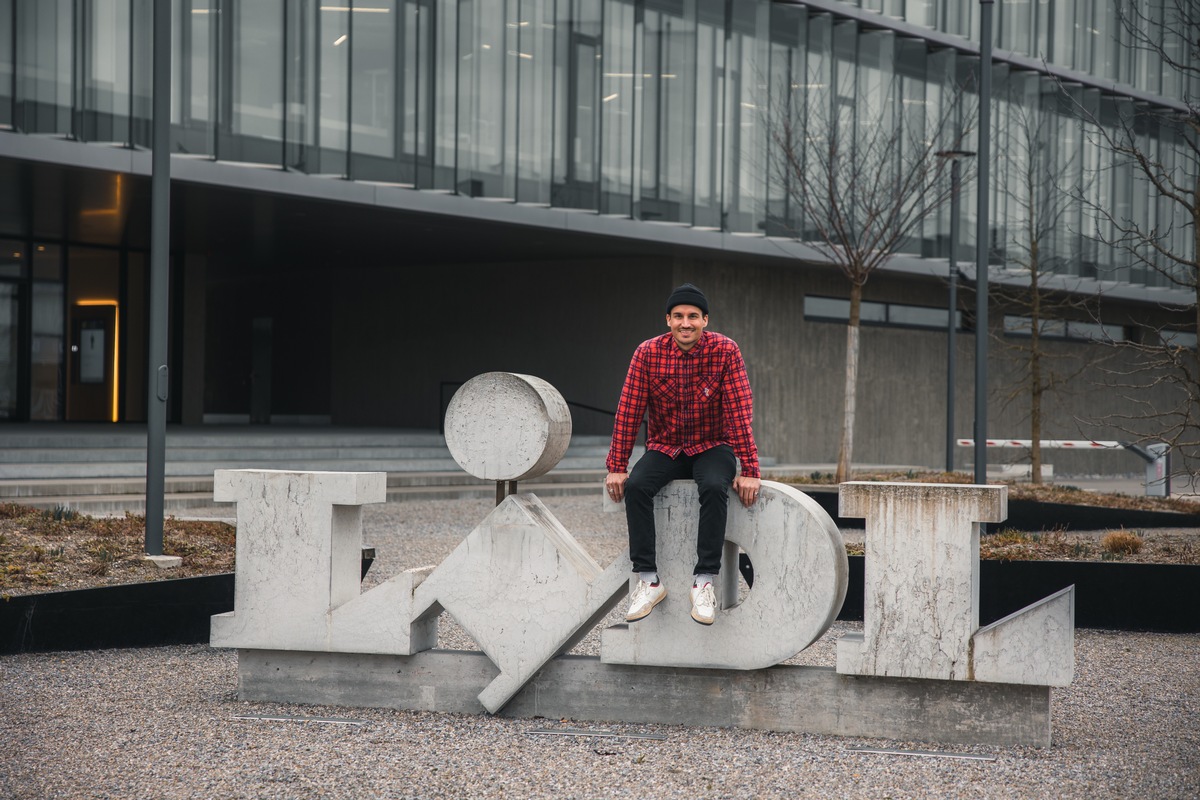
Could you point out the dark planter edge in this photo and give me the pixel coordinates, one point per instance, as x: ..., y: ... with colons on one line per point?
x: 1108, y: 595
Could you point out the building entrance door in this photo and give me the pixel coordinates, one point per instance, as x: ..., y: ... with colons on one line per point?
x: 92, y: 390
x: 93, y: 335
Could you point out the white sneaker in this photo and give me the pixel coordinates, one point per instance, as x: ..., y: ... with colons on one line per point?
x: 645, y: 597
x: 704, y: 604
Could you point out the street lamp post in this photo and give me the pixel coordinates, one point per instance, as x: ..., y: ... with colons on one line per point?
x: 951, y: 322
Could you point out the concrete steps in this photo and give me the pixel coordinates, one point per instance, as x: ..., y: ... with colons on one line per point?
x: 101, y: 469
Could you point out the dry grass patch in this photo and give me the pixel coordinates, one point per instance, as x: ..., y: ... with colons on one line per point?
x: 61, y: 549
x: 1122, y: 543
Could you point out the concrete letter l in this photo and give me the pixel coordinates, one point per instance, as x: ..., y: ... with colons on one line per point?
x: 299, y: 552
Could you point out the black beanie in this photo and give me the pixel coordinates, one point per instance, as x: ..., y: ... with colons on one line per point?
x: 688, y: 295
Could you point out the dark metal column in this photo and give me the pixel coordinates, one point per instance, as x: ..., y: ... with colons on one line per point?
x: 951, y: 327
x: 160, y: 244
x: 981, y: 240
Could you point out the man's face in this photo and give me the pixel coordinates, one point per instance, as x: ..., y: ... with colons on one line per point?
x: 686, y: 324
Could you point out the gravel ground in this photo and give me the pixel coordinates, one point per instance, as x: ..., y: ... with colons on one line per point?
x: 164, y: 723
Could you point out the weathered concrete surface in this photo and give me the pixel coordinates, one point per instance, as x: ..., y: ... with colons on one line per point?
x: 921, y: 574
x: 501, y: 426
x: 524, y: 590
x: 800, y: 579
x: 299, y: 567
x: 1035, y: 645
x: 783, y: 698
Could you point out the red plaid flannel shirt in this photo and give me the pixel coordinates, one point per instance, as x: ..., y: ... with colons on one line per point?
x: 697, y: 399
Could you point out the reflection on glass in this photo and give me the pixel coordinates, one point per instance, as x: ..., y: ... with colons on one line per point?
x: 258, y: 80
x: 6, y: 68
x: 46, y: 362
x: 9, y: 331
x: 106, y: 71
x: 46, y: 29
x: 12, y: 258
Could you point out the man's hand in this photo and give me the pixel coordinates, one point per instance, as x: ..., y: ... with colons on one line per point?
x: 746, y: 488
x: 614, y: 485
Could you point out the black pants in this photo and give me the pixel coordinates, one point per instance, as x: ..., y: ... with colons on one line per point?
x: 713, y: 471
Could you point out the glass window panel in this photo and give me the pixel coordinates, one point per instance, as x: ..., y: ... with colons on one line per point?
x: 826, y: 308
x: 960, y: 18
x: 917, y: 316
x: 332, y: 94
x: 45, y: 65
x: 1096, y: 332
x: 837, y: 309
x: 257, y: 80
x: 445, y: 96
x: 1014, y: 24
x: 46, y: 344
x: 618, y: 95
x: 534, y: 33
x: 373, y: 91
x: 106, y: 76
x: 1178, y: 339
x: 10, y: 330
x: 746, y: 135
x: 483, y: 99
x: 1062, y: 44
x: 319, y: 41
x: 668, y: 121
x: 710, y: 82
x: 921, y: 12
x: 7, y: 59
x: 12, y: 258
x: 193, y: 68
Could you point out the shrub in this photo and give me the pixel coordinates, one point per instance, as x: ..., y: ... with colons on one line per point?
x: 1122, y: 542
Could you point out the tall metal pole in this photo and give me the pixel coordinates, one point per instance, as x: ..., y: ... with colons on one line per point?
x: 160, y: 244
x: 951, y: 323
x: 951, y: 327
x: 981, y: 240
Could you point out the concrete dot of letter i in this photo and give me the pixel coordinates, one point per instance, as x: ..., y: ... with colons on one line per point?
x: 501, y: 426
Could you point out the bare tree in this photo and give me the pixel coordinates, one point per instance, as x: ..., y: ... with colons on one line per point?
x: 1039, y: 186
x: 1161, y: 148
x: 863, y: 177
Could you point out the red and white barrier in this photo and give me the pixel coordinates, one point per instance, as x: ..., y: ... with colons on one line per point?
x: 1058, y: 444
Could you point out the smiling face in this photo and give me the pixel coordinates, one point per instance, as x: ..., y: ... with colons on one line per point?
x: 686, y: 324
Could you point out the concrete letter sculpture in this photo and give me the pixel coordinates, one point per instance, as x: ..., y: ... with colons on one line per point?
x: 921, y: 610
x: 501, y: 426
x: 800, y: 577
x: 299, y: 551
x: 526, y: 591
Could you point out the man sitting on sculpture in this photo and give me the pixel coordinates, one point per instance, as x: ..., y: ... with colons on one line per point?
x: 694, y: 385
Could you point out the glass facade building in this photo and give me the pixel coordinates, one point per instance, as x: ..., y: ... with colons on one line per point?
x: 651, y: 109
x: 659, y: 111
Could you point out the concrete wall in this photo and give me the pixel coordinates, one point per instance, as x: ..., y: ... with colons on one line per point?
x: 399, y: 334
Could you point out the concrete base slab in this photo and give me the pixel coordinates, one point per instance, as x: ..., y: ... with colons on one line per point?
x: 165, y: 562
x: 783, y: 698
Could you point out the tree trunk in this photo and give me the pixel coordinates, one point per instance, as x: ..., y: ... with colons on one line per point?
x: 846, y: 452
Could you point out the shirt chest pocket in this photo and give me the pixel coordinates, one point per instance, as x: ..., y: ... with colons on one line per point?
x: 708, y: 389
x: 665, y: 389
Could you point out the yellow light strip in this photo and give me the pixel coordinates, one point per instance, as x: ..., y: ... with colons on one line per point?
x: 106, y: 212
x: 116, y: 379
